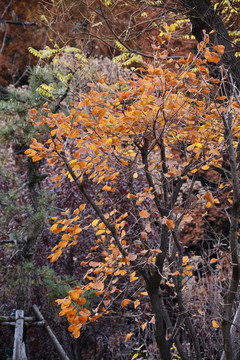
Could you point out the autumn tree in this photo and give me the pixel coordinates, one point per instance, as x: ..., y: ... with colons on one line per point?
x: 153, y: 134
x: 152, y: 137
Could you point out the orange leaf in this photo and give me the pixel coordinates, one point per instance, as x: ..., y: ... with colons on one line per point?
x: 77, y: 230
x: 125, y: 302
x: 36, y: 158
x: 211, y: 56
x: 81, y: 301
x: 136, y: 303
x: 98, y: 286
x: 208, y: 196
x: 176, y: 273
x: 66, y: 237
x: 168, y: 36
x: 144, y: 214
x: 128, y: 336
x: 143, y: 326
x: 215, y: 324
x: 104, y: 253
x: 32, y: 111
x: 74, y: 295
x: 157, y: 251
x: 55, y: 256
x: 219, y: 48
x: 107, y: 188
x: 169, y: 223
x: 81, y: 207
x: 213, y: 260
x: 82, y: 319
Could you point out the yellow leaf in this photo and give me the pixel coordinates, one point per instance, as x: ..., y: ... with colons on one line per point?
x: 54, y: 227
x: 144, y: 214
x: 125, y: 302
x: 133, y: 277
x: 95, y: 222
x: 128, y: 336
x: 53, y: 132
x: 215, y: 324
x: 205, y: 167
x: 172, y: 27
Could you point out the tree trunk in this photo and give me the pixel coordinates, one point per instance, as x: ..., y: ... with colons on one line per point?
x: 235, y: 336
x: 203, y: 17
x: 28, y: 241
x: 160, y: 327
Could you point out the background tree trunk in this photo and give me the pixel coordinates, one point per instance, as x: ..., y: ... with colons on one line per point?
x: 28, y: 242
x: 203, y: 17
